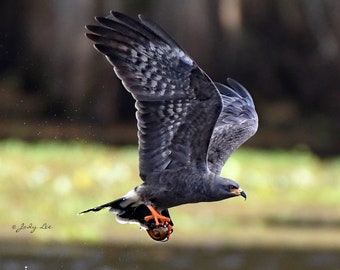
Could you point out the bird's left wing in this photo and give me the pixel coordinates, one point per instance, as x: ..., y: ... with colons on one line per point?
x: 237, y: 122
x: 177, y: 103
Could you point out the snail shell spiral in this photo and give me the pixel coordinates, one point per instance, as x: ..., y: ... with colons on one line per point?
x: 159, y: 233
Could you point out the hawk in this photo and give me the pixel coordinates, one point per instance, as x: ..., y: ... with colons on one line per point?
x: 188, y: 125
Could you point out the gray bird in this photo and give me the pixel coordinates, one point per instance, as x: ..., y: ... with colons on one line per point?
x: 188, y: 125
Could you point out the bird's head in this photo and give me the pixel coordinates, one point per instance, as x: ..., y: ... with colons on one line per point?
x: 227, y: 188
x: 236, y: 191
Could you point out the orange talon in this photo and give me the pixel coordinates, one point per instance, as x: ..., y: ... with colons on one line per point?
x: 159, y: 219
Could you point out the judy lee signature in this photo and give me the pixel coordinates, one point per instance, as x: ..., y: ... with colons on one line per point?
x: 30, y: 227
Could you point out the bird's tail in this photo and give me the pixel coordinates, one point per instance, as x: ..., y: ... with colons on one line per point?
x: 128, y: 209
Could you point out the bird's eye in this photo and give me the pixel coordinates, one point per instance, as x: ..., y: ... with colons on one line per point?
x: 231, y: 187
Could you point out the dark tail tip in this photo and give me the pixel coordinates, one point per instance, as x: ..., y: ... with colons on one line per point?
x: 95, y: 209
x: 100, y: 207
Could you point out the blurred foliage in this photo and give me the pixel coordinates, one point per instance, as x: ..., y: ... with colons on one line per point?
x: 290, y: 193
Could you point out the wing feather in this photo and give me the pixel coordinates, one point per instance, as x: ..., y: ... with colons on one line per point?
x: 177, y: 103
x: 237, y: 122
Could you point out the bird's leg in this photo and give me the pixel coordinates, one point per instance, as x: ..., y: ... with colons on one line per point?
x: 159, y: 219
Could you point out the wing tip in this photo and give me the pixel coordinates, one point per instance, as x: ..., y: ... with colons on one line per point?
x: 116, y: 14
x: 239, y: 88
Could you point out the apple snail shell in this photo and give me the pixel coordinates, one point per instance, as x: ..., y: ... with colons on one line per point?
x: 159, y: 233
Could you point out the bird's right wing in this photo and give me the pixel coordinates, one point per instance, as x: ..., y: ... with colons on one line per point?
x: 177, y: 103
x: 237, y: 122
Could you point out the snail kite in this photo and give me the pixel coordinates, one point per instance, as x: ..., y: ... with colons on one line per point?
x: 188, y: 125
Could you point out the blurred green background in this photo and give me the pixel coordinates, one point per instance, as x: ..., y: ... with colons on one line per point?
x: 68, y: 138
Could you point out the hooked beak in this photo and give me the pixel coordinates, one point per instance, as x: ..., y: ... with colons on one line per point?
x: 238, y: 192
x: 243, y: 194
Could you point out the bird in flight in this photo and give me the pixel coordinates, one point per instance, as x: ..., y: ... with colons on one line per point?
x: 188, y: 125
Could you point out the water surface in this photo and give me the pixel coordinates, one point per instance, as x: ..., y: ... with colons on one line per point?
x: 18, y: 256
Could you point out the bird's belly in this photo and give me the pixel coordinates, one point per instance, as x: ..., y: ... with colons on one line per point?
x: 174, y: 196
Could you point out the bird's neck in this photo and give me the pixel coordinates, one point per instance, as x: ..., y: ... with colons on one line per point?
x: 218, y: 187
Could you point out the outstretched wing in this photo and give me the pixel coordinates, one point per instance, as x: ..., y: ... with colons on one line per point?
x: 177, y: 103
x: 237, y: 122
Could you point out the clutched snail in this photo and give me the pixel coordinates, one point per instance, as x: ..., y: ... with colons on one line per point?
x: 161, y: 232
